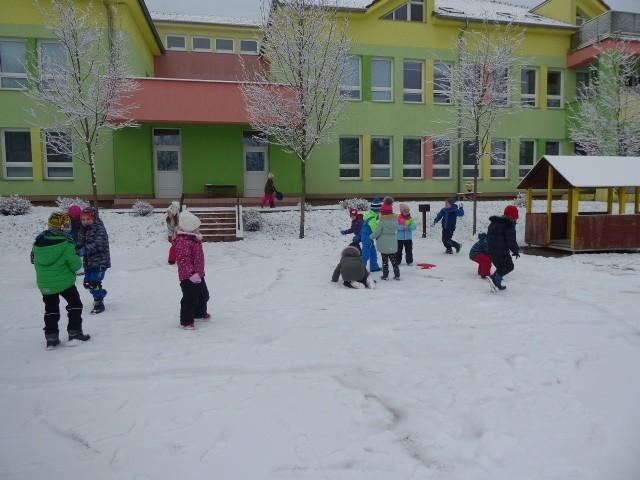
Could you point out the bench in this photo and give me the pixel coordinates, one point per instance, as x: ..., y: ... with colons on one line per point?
x: 217, y: 190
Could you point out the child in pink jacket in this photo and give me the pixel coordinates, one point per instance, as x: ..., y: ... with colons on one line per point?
x: 190, y: 260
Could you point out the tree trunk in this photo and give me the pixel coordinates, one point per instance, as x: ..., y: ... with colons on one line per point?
x: 303, y: 195
x: 476, y: 171
x: 94, y: 179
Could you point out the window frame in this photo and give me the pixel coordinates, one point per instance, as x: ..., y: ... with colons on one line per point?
x: 16, y: 76
x: 248, y: 52
x: 535, y: 96
x: 382, y: 89
x: 419, y: 167
x: 372, y: 165
x: 556, y: 97
x: 392, y: 14
x: 350, y: 166
x: 579, y: 94
x: 441, y: 92
x: 414, y: 91
x: 352, y: 88
x: 233, y: 43
x: 501, y: 166
x: 175, y: 35
x: 200, y: 37
x: 547, y: 142
x: 464, y: 142
x: 435, y: 166
x: 54, y: 165
x: 535, y: 154
x: 44, y: 77
x: 3, y: 153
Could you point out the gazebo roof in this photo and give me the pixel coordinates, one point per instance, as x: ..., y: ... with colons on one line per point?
x: 580, y: 171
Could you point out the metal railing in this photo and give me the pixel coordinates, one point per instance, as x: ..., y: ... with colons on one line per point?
x: 612, y: 24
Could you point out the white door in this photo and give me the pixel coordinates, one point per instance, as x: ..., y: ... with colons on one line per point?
x: 167, y: 161
x: 256, y: 165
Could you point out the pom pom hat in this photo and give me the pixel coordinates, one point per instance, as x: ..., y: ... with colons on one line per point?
x: 188, y: 222
x: 376, y: 204
x: 75, y: 211
x: 512, y: 211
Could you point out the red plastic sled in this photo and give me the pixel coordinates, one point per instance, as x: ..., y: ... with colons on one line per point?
x: 426, y: 266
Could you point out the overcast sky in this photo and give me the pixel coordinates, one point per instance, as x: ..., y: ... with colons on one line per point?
x: 250, y: 8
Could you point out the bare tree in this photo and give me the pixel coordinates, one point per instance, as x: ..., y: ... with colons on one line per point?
x: 81, y: 87
x: 482, y: 83
x: 296, y: 102
x: 606, y: 118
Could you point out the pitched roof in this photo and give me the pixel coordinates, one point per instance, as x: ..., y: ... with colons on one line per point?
x: 205, y: 19
x: 585, y: 172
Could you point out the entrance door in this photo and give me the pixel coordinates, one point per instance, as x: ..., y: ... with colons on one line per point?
x: 256, y: 165
x: 167, y: 161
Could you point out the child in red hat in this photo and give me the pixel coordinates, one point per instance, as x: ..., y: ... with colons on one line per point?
x: 501, y: 237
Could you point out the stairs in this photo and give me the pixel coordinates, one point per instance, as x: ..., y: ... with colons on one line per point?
x: 220, y: 224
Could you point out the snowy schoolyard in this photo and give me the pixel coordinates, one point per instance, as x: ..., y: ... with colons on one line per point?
x: 298, y: 378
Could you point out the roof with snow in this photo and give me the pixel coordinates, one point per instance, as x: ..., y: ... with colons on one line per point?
x: 205, y: 19
x: 584, y: 172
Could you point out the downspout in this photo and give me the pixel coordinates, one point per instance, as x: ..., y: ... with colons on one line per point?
x: 109, y: 11
x: 459, y: 117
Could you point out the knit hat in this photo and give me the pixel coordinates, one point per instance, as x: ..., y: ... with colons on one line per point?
x: 75, y: 211
x: 452, y: 201
x: 404, y: 208
x: 58, y: 221
x: 90, y: 211
x: 353, y: 212
x: 512, y: 211
x: 174, y: 208
x: 376, y: 204
x: 387, y: 209
x: 188, y: 222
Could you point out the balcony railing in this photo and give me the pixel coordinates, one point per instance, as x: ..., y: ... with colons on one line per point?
x: 622, y: 25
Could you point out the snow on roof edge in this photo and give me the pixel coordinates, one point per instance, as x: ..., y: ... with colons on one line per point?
x: 205, y: 19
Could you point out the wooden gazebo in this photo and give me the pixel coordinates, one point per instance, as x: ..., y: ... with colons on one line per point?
x: 584, y: 231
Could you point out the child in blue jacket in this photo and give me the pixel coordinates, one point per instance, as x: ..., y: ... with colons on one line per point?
x: 406, y: 226
x: 449, y: 216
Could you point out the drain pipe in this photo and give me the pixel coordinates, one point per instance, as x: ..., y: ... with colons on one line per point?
x: 109, y: 11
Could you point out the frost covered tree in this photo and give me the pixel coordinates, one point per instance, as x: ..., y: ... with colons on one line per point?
x: 482, y: 86
x: 82, y: 86
x: 296, y: 100
x: 606, y: 118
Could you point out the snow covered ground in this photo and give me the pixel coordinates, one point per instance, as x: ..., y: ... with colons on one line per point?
x: 432, y: 377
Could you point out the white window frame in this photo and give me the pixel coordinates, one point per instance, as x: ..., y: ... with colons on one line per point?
x: 408, y: 4
x: 249, y: 52
x: 556, y: 97
x: 175, y: 35
x: 466, y: 166
x: 419, y: 167
x: 354, y: 88
x: 350, y: 166
x: 382, y: 89
x: 500, y: 166
x: 373, y: 166
x: 529, y: 96
x: 233, y: 45
x: 435, y: 166
x: 17, y: 76
x: 441, y: 92
x: 54, y: 165
x: 547, y: 142
x: 6, y: 164
x: 535, y: 155
x: 413, y: 90
x: 198, y: 37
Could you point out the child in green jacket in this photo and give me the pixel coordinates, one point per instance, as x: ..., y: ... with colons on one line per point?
x: 56, y: 263
x: 386, y: 237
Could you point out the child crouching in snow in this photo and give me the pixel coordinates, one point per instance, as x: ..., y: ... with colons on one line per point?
x: 353, y: 270
x: 190, y: 259
x: 479, y: 253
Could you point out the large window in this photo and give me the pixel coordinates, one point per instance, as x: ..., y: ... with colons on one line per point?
x: 201, y: 44
x: 52, y: 56
x: 469, y: 159
x: 554, y: 89
x: 350, y: 157
x: 501, y: 87
x: 350, y: 87
x: 529, y: 87
x: 412, y: 11
x: 552, y: 147
x: 499, y: 158
x: 583, y: 80
x: 58, y: 155
x: 382, y: 80
x: 225, y: 45
x: 381, y: 157
x: 413, y: 81
x: 13, y: 58
x: 527, y: 156
x: 16, y: 154
x: 176, y: 42
x: 412, y: 158
x: 442, y: 83
x: 441, y: 158
x: 249, y: 47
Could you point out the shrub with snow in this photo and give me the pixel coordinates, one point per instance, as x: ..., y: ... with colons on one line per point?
x: 252, y: 220
x: 521, y: 200
x: 65, y: 202
x: 14, y: 205
x: 141, y: 209
x: 359, y: 204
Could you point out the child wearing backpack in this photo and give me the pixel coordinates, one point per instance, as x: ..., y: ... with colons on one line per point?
x: 449, y: 216
x: 386, y: 237
x: 479, y: 253
x: 406, y: 226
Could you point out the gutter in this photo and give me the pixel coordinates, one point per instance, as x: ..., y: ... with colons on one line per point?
x: 152, y: 25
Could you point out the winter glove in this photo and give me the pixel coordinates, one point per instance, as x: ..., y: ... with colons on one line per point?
x: 195, y: 278
x: 344, y: 232
x: 517, y: 254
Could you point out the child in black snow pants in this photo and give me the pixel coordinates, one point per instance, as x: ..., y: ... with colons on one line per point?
x: 449, y: 216
x: 501, y: 236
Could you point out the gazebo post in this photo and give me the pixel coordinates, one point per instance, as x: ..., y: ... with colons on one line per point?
x: 637, y: 209
x: 549, y: 201
x: 609, y: 201
x: 530, y: 200
x: 574, y: 209
x: 622, y: 200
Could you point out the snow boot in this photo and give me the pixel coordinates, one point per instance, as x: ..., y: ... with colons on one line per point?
x: 98, y: 307
x: 397, y: 277
x: 357, y: 285
x: 189, y: 326
x: 371, y: 283
x: 78, y: 335
x: 206, y: 318
x: 496, y: 279
x: 53, y: 340
x: 449, y: 251
x: 458, y: 247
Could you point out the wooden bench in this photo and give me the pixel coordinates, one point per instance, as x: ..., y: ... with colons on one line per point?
x: 217, y: 190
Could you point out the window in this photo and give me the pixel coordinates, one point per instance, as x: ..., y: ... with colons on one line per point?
x: 224, y: 45
x: 502, y: 88
x: 554, y: 89
x: 583, y: 80
x: 413, y: 82
x: 166, y: 148
x: 441, y: 158
x: 249, y: 47
x: 16, y: 153
x: 176, y: 42
x: 201, y: 44
x: 552, y: 147
x: 381, y: 157
x: 529, y: 87
x: 412, y: 158
x: 381, y: 81
x: 469, y: 159
x: 350, y: 158
x: 52, y: 57
x: 351, y: 79
x: 527, y: 156
x: 59, y: 157
x: 13, y: 56
x: 499, y: 158
x: 442, y: 83
x: 412, y: 11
